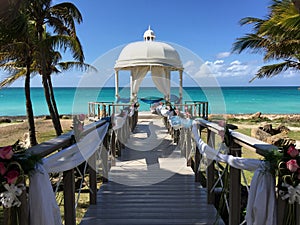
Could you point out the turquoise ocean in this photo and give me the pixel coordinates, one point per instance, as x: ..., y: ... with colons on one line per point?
x: 231, y: 100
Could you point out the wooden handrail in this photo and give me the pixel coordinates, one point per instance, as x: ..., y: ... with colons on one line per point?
x: 239, y: 141
x: 51, y: 147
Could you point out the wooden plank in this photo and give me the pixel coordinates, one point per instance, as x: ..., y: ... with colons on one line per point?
x: 151, y: 187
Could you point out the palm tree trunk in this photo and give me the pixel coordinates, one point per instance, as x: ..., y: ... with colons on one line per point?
x: 297, y: 4
x: 50, y: 107
x: 29, y: 110
x: 54, y: 103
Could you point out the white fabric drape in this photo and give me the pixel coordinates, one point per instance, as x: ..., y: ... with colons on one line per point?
x: 137, y: 74
x: 261, y: 206
x: 42, y: 203
x: 43, y: 208
x: 161, y: 79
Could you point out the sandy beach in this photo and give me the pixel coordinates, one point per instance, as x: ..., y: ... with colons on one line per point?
x: 11, y: 132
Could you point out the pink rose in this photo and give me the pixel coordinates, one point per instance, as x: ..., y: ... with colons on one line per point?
x: 292, y: 151
x: 2, y: 168
x: 12, y: 176
x: 81, y: 117
x: 292, y: 165
x: 6, y: 152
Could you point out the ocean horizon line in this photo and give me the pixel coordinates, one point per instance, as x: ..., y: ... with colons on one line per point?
x: 229, y: 100
x: 225, y: 86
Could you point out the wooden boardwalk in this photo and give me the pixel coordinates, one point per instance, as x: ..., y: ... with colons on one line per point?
x: 151, y: 184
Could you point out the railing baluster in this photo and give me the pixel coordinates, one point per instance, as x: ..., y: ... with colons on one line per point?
x: 235, y: 188
x: 297, y: 213
x: 93, y: 179
x: 104, y: 158
x: 113, y: 148
x: 188, y: 147
x: 69, y: 197
x: 210, y: 170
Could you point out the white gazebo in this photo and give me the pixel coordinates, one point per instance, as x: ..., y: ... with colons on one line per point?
x: 149, y: 55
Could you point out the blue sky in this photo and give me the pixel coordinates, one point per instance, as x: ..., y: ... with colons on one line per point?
x: 207, y: 28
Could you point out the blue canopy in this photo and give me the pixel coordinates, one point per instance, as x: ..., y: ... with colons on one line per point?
x: 151, y: 99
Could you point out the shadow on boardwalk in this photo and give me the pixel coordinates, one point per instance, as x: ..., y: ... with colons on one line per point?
x: 151, y: 186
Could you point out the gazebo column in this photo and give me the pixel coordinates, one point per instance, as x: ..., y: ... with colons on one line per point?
x: 180, y: 86
x: 117, y: 84
x: 131, y: 85
x: 169, y: 81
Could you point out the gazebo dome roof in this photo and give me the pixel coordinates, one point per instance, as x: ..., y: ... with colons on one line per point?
x: 148, y: 52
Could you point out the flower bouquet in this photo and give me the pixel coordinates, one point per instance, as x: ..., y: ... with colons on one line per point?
x: 15, y: 166
x: 289, y: 175
x: 285, y: 165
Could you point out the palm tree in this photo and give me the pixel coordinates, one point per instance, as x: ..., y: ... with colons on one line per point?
x: 61, y: 18
x: 16, y: 48
x: 54, y: 65
x: 40, y: 55
x: 277, y: 37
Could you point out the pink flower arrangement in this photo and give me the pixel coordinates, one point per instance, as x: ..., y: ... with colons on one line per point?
x: 15, y: 165
x: 286, y: 166
x: 292, y: 151
x: 6, y: 152
x: 284, y: 163
x: 292, y: 165
x: 2, y: 168
x: 12, y: 176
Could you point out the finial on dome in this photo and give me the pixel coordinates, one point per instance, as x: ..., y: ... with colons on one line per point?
x: 149, y: 35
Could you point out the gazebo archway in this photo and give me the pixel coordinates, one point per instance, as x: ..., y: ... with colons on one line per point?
x: 146, y: 56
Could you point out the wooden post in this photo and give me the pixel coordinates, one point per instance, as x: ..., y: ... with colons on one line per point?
x: 69, y: 197
x: 206, y: 111
x: 297, y: 213
x: 188, y: 147
x: 210, y: 173
x: 234, y: 188
x: 183, y: 141
x: 99, y: 111
x: 24, y: 212
x: 104, y: 158
x: 113, y: 148
x: 197, y: 165
x: 93, y: 179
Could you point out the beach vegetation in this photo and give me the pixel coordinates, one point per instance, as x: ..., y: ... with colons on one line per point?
x: 41, y: 49
x: 276, y: 37
x: 17, y: 53
x: 61, y: 18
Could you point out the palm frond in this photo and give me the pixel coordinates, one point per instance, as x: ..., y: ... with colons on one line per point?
x: 256, y: 22
x: 12, y: 78
x: 250, y: 41
x: 76, y: 65
x: 271, y: 70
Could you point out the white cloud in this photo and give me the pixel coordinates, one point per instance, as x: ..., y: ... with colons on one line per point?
x: 289, y: 73
x: 236, y: 62
x: 218, y: 62
x: 222, y: 55
x: 220, y: 68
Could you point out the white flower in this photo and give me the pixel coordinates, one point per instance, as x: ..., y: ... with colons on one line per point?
x: 9, y: 198
x: 293, y: 193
